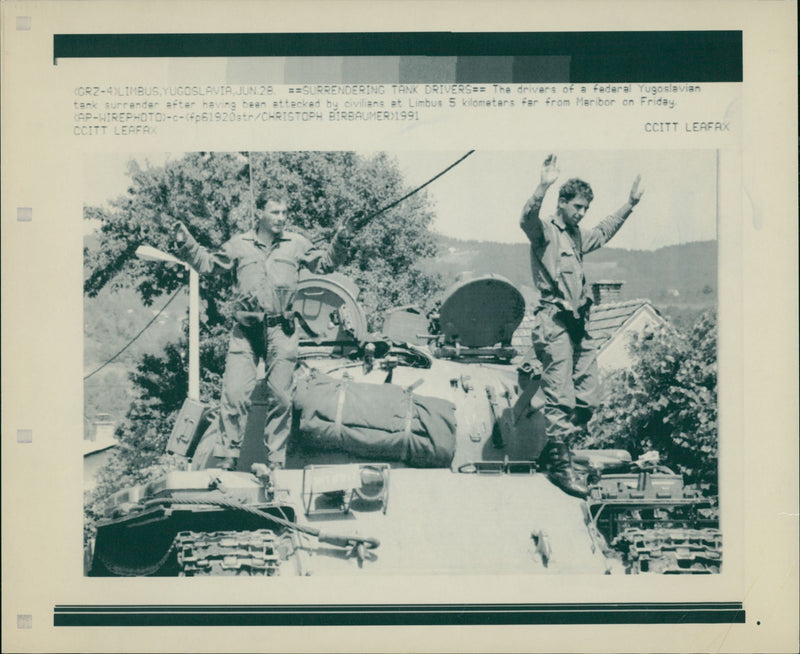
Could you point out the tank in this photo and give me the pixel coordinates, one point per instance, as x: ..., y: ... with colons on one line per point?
x: 413, y: 451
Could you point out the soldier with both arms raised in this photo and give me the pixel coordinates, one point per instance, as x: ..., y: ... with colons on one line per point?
x: 560, y: 338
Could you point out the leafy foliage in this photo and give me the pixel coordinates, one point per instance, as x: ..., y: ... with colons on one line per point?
x: 667, y: 402
x: 212, y: 194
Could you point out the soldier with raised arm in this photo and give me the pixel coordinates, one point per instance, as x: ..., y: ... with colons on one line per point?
x: 266, y: 262
x: 560, y: 339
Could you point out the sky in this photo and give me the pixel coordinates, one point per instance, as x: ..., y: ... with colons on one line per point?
x: 482, y: 197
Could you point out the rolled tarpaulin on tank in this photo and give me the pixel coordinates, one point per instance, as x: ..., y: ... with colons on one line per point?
x: 375, y: 421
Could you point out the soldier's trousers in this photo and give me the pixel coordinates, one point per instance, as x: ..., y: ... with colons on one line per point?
x: 279, y: 351
x: 569, y: 376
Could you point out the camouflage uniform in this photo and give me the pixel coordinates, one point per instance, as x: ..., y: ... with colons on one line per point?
x: 562, y: 344
x: 266, y: 280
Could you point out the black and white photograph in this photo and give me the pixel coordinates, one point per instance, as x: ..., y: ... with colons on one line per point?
x: 311, y: 363
x: 399, y: 326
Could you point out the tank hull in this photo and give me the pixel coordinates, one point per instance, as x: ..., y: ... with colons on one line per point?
x: 434, y: 522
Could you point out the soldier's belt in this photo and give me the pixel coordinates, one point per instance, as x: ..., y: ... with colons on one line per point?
x: 255, y: 318
x: 553, y: 309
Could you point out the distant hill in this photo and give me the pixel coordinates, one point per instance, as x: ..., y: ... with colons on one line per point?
x: 112, y: 344
x: 680, y: 280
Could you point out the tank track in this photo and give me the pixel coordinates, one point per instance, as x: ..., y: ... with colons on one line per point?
x: 246, y: 553
x: 670, y: 551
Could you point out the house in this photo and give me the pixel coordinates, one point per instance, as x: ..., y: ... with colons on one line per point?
x: 612, y: 322
x: 98, y: 448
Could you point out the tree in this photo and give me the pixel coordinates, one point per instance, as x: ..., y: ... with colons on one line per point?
x: 212, y: 194
x: 667, y: 402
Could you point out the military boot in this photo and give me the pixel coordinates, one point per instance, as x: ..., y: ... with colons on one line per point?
x: 224, y: 458
x: 224, y: 463
x: 557, y: 462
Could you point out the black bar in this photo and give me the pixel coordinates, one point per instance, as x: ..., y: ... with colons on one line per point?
x: 399, y: 615
x: 655, y: 56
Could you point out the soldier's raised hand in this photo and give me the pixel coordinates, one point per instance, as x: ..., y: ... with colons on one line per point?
x: 636, y: 191
x: 550, y: 170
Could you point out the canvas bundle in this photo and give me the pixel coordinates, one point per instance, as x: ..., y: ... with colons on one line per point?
x: 375, y: 421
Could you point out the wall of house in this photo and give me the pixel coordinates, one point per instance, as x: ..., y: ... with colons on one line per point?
x: 615, y: 355
x: 92, y: 463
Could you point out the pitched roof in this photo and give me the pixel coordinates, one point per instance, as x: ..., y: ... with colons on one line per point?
x: 605, y: 320
x: 98, y: 445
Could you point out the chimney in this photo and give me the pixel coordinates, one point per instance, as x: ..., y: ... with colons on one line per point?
x: 606, y: 291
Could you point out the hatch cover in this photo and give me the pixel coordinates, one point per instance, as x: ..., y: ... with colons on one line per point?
x: 481, y: 311
x: 329, y: 305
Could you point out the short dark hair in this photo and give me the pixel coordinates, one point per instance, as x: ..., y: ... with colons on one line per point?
x: 573, y: 188
x: 266, y: 195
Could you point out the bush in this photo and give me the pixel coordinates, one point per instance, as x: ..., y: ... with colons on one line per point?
x: 667, y: 402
